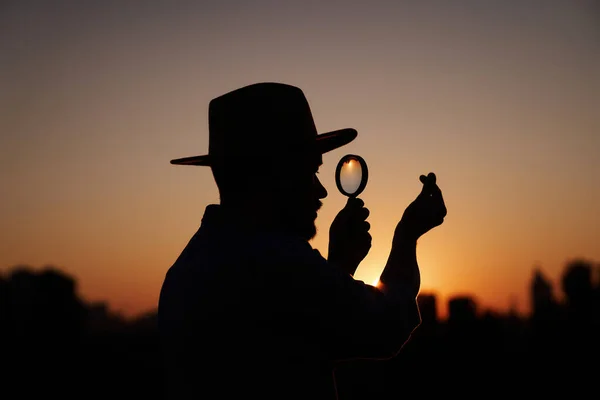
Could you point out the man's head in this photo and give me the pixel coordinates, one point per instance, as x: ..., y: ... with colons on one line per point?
x: 285, y: 198
x: 264, y: 151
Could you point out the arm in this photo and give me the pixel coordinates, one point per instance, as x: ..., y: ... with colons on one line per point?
x: 354, y: 320
x: 393, y: 312
x: 402, y: 268
x: 426, y: 212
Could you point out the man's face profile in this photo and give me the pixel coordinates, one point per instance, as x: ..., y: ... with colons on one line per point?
x: 297, y: 193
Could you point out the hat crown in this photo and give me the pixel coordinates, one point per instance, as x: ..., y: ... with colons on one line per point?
x: 259, y: 120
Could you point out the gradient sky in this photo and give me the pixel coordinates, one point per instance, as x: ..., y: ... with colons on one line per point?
x: 501, y: 99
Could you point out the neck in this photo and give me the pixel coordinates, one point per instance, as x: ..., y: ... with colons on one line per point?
x: 249, y: 215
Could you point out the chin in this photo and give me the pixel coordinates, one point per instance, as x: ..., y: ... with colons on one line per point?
x: 310, y: 232
x: 300, y: 223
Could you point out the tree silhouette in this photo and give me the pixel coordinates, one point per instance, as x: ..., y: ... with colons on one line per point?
x: 60, y: 342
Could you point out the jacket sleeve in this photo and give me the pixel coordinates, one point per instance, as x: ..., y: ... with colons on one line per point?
x: 348, y: 318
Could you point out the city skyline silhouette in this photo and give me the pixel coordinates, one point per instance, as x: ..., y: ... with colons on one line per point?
x: 115, y: 356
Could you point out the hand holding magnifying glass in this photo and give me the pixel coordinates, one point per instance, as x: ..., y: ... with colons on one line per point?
x: 349, y: 237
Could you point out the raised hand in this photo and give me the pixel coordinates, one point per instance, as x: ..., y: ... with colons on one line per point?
x: 349, y: 237
x: 426, y: 212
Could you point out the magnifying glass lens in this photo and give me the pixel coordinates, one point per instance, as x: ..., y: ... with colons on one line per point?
x: 351, y: 175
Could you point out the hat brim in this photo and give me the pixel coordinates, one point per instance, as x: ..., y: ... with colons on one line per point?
x: 325, y: 142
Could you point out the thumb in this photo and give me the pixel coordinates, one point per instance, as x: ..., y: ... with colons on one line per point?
x: 347, y: 209
x: 354, y: 202
x: 429, y: 183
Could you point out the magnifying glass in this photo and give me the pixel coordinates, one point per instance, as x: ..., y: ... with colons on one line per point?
x: 351, y: 175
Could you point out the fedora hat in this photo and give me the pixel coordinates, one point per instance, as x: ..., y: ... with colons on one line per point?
x: 261, y: 122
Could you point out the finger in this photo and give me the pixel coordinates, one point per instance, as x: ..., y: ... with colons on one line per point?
x: 423, y: 180
x: 426, y: 189
x: 438, y: 222
x: 436, y: 195
x: 352, y: 205
x: 439, y: 211
x: 366, y: 239
x: 430, y: 187
x: 356, y: 209
x: 438, y: 204
x: 369, y: 241
x: 435, y: 191
x: 366, y: 226
x: 364, y: 213
x: 355, y: 202
x: 357, y: 217
x: 431, y: 178
x: 443, y: 210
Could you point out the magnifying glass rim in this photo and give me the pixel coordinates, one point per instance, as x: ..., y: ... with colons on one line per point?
x: 363, y: 180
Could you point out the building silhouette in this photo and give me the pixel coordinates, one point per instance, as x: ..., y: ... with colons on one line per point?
x: 55, y: 343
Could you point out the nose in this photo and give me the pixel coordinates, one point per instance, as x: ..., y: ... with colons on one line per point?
x: 320, y: 189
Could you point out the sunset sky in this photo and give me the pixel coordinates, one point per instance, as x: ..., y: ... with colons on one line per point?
x: 501, y: 99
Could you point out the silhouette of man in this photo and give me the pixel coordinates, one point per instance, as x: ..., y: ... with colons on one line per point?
x: 250, y: 309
